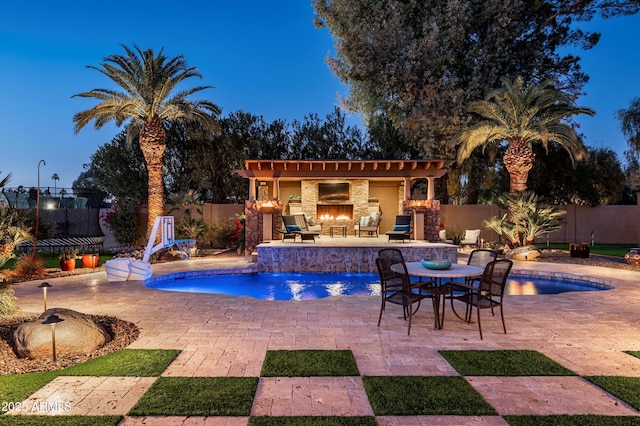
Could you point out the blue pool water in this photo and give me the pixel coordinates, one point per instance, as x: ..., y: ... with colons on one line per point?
x: 309, y: 286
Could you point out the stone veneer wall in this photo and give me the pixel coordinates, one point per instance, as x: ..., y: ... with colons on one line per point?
x: 431, y: 211
x: 307, y: 257
x: 358, y: 196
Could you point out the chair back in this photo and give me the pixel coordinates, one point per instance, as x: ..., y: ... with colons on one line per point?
x: 403, y: 219
x: 392, y: 253
x: 494, y: 279
x: 390, y: 280
x: 480, y: 257
x: 289, y: 220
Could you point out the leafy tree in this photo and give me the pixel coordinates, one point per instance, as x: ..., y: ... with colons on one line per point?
x: 519, y: 116
x: 420, y: 62
x: 148, y: 101
x: 630, y: 124
x: 326, y: 139
x: 119, y: 169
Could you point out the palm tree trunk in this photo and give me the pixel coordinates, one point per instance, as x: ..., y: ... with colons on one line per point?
x: 152, y: 144
x: 518, y: 159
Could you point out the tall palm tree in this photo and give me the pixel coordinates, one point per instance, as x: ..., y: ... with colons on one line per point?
x: 147, y: 102
x: 519, y: 116
x: 55, y: 178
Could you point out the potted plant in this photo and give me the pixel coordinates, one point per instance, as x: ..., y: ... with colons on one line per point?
x: 294, y: 198
x: 373, y: 199
x: 68, y: 259
x: 90, y: 260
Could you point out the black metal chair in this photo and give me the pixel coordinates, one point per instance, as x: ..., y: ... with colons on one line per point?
x: 478, y: 257
x: 489, y: 293
x: 401, y: 229
x: 396, y: 288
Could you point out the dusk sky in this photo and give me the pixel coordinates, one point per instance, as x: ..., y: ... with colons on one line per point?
x: 265, y: 58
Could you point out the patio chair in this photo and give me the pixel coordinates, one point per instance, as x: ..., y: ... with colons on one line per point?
x: 368, y: 224
x: 489, y: 293
x: 478, y: 257
x: 471, y: 238
x: 402, y: 228
x: 293, y: 230
x: 397, y: 288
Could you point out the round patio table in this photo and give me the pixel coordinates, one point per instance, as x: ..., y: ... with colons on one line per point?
x: 438, y: 275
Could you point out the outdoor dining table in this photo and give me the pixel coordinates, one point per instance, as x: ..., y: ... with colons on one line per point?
x: 440, y: 277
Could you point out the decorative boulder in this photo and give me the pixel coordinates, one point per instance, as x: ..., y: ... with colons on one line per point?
x: 523, y: 253
x: 78, y: 333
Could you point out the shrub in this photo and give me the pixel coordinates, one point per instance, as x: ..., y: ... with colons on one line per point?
x: 124, y: 220
x: 29, y: 266
x: 8, y: 300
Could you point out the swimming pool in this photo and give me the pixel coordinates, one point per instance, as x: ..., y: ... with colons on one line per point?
x: 309, y: 286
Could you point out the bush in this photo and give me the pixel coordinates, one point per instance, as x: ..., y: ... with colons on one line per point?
x: 29, y: 266
x: 8, y: 300
x: 124, y: 220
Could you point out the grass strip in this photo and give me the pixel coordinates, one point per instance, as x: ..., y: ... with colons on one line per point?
x: 198, y: 396
x: 572, y: 420
x: 309, y: 363
x: 20, y: 420
x: 424, y: 395
x: 313, y: 421
x: 624, y: 388
x: 126, y: 362
x: 504, y: 363
x: 633, y: 353
x: 18, y: 387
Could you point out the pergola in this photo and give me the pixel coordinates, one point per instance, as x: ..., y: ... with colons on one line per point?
x: 401, y: 170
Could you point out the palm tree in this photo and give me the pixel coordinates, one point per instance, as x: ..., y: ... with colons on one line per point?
x: 519, y: 116
x: 148, y: 102
x: 55, y: 178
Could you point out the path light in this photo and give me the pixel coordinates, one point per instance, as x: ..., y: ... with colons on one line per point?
x: 53, y: 319
x: 44, y: 286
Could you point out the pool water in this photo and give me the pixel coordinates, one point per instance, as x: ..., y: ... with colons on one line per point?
x: 309, y: 286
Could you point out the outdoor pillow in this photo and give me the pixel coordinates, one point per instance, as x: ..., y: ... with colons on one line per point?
x: 311, y: 220
x: 375, y: 218
x: 364, y: 220
x: 443, y: 234
x: 293, y: 228
x: 401, y: 228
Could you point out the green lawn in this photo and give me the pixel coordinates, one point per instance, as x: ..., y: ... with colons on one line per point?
x: 607, y: 249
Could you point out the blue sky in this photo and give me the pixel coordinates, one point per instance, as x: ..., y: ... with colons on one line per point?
x: 263, y: 57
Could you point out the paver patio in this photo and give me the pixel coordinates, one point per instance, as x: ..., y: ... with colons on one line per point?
x: 228, y: 336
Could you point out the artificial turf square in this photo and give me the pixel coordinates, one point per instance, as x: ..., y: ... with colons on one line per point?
x: 313, y: 421
x: 198, y: 396
x: 127, y: 362
x: 424, y: 395
x: 624, y: 388
x: 504, y: 363
x: 60, y: 420
x: 309, y: 363
x: 572, y: 420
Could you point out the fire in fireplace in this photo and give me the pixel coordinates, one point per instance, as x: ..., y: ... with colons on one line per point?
x: 334, y: 211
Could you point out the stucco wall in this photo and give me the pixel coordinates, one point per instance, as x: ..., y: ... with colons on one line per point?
x: 611, y: 224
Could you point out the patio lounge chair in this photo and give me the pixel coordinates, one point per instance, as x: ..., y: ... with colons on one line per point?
x: 293, y: 230
x: 368, y: 224
x: 402, y: 228
x: 471, y: 238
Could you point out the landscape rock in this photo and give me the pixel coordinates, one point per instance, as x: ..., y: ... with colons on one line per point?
x: 78, y: 333
x: 523, y: 253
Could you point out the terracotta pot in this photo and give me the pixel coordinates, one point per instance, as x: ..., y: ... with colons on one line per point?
x: 68, y: 264
x: 90, y: 260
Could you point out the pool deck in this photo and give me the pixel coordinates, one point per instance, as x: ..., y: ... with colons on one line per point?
x: 218, y: 335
